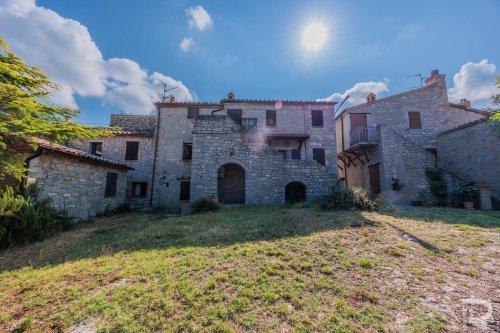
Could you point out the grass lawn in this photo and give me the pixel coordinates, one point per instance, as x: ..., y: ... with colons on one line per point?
x: 262, y: 269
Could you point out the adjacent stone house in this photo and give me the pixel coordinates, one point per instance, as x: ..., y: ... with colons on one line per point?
x: 394, y: 139
x: 81, y: 183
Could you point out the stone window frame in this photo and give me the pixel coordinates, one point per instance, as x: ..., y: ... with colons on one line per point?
x: 317, y: 117
x: 111, y: 185
x: 135, y: 156
x: 144, y: 189
x: 185, y: 192
x: 93, y: 148
x: 271, y: 115
x: 187, y: 151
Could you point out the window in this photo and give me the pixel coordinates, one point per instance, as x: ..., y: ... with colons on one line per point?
x: 139, y: 189
x: 187, y: 151
x: 111, y: 182
x: 296, y: 154
x: 193, y: 113
x: 96, y: 148
x: 271, y: 118
x: 284, y: 153
x: 317, y: 118
x: 132, y: 151
x: 414, y: 119
x: 319, y: 155
x: 185, y: 190
x: 236, y: 114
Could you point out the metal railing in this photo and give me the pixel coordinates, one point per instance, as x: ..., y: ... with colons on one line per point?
x: 363, y: 134
x: 248, y: 123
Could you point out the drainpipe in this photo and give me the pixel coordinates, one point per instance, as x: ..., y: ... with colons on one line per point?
x: 217, y: 111
x: 154, y: 157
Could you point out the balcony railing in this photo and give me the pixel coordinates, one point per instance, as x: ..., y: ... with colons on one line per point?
x: 248, y: 123
x: 363, y: 134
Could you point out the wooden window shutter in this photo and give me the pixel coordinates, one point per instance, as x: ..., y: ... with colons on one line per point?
x: 415, y: 121
x: 111, y: 183
x: 132, y: 151
x: 271, y: 118
x: 319, y: 155
x: 317, y: 117
x: 193, y: 113
x: 185, y: 191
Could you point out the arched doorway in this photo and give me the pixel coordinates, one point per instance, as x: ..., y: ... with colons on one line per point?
x: 295, y: 192
x: 231, y: 184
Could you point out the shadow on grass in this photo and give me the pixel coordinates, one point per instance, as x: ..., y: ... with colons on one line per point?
x: 132, y: 232
x: 475, y: 218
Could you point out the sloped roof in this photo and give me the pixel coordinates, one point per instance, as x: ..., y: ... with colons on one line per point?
x: 469, y: 124
x: 75, y: 153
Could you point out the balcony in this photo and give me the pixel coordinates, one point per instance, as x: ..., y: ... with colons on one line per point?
x: 363, y: 135
x: 249, y: 123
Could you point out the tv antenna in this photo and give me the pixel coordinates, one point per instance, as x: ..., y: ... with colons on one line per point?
x: 420, y: 77
x: 164, y: 96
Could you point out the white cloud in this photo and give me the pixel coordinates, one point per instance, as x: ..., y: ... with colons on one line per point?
x: 358, y: 92
x: 198, y: 17
x: 475, y: 81
x: 186, y: 44
x: 64, y: 49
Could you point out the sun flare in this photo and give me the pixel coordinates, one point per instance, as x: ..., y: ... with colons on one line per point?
x: 314, y: 36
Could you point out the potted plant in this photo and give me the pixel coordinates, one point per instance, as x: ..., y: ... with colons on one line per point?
x: 396, y: 184
x: 467, y: 195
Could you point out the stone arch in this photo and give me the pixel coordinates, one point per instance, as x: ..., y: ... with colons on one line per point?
x: 295, y: 192
x: 231, y: 183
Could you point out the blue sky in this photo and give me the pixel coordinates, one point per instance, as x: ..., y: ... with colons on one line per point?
x: 252, y: 48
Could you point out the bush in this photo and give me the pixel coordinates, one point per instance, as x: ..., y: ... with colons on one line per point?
x: 204, y: 205
x: 344, y: 198
x: 465, y: 193
x: 23, y: 218
x: 437, y: 185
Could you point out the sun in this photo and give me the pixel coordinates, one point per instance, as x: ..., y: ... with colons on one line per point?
x: 314, y: 36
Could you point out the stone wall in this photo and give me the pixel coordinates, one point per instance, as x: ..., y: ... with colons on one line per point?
x: 473, y: 152
x: 218, y: 140
x: 76, y: 185
x: 134, y: 122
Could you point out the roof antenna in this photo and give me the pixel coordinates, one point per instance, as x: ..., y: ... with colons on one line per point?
x: 420, y: 77
x: 165, y: 98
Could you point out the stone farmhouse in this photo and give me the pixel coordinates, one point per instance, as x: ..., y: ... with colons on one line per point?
x: 396, y: 138
x: 242, y: 151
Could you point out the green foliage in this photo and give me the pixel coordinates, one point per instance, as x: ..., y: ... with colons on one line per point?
x: 437, y: 185
x: 204, y: 205
x: 344, y: 198
x: 465, y: 193
x: 24, y: 113
x: 23, y: 219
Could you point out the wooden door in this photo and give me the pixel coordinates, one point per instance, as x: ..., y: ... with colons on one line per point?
x: 374, y: 178
x: 359, y: 128
x: 231, y: 187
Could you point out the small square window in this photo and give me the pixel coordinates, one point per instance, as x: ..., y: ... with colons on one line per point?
x: 193, y: 113
x: 132, y: 151
x: 185, y: 190
x: 271, y: 118
x: 96, y: 148
x: 319, y: 155
x: 139, y: 189
x: 111, y: 184
x: 187, y: 151
x: 317, y: 118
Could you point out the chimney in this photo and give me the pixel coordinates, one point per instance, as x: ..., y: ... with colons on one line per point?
x: 371, y: 98
x: 230, y: 96
x: 435, y: 78
x: 171, y: 99
x: 466, y: 103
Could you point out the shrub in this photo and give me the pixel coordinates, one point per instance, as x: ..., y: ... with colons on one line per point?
x: 465, y: 193
x: 24, y: 218
x: 344, y: 198
x: 437, y: 185
x: 204, y: 205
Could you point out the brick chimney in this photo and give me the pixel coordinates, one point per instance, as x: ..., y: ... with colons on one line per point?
x: 465, y: 102
x: 371, y: 98
x: 230, y: 96
x: 435, y: 78
x: 171, y: 99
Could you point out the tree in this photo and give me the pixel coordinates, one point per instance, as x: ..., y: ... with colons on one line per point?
x: 26, y: 112
x: 495, y: 99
